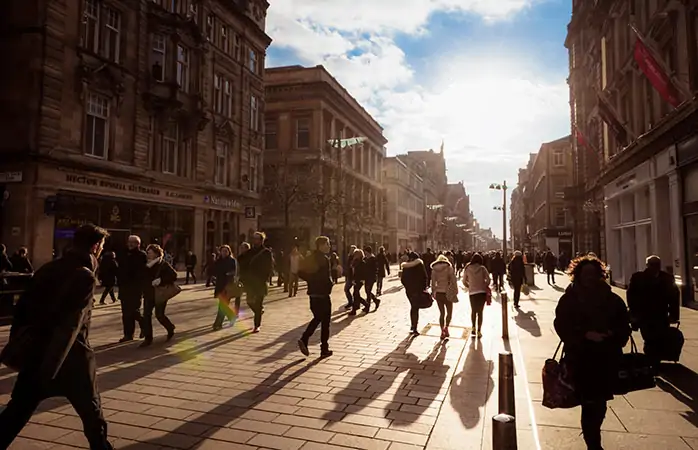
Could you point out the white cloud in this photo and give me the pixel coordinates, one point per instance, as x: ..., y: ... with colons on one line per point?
x: 491, y: 109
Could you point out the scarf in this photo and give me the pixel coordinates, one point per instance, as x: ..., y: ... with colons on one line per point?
x: 152, y: 262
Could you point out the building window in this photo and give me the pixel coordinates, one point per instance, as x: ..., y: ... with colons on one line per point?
x: 254, y: 113
x: 169, y: 146
x: 97, y: 126
x: 560, y: 218
x: 558, y: 158
x: 193, y: 13
x: 159, y: 57
x: 217, y: 94
x: 210, y: 30
x: 236, y: 47
x: 101, y: 30
x: 254, y: 171
x: 270, y: 140
x: 302, y: 133
x: 224, y: 39
x: 253, y: 61
x: 183, y: 68
x: 227, y: 98
x: 221, y: 164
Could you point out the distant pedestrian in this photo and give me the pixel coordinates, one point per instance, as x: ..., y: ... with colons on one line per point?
x: 370, y: 277
x: 383, y: 263
x: 256, y: 267
x: 132, y: 272
x: 315, y: 270
x: 415, y: 280
x: 158, y: 273
x: 59, y: 361
x: 295, y: 260
x: 444, y: 289
x: 517, y: 275
x: 190, y: 262
x: 5, y: 264
x: 549, y: 265
x: 20, y: 261
x: 498, y: 268
x: 428, y: 258
x: 226, y: 272
x: 349, y: 278
x: 477, y: 279
x: 334, y: 267
x: 107, y: 273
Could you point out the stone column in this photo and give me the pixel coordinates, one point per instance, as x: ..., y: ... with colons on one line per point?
x: 676, y: 220
x: 199, y: 238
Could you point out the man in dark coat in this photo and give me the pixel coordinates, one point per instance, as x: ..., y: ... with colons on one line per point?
x: 190, y: 262
x: 59, y: 360
x: 428, y: 258
x: 370, y: 277
x: 132, y: 271
x: 654, y: 302
x: 498, y: 267
x: 107, y: 274
x: 315, y: 270
x: 256, y: 267
x: 20, y: 261
x: 550, y: 264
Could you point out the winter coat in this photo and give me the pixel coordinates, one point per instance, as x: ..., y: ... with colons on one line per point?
x: 383, y: 265
x: 190, y: 261
x: 256, y: 267
x: 163, y: 270
x: 131, y: 274
x: 594, y: 365
x: 315, y: 270
x: 517, y: 271
x: 549, y: 262
x: 370, y: 269
x: 476, y: 278
x: 108, y: 270
x: 498, y: 266
x: 225, y: 270
x: 443, y: 279
x: 358, y: 269
x: 21, y: 264
x: 414, y: 277
x: 653, y: 301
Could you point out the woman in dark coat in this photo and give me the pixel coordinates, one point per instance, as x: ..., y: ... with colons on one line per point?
x: 158, y: 273
x: 383, y: 269
x: 414, y: 278
x: 108, y: 270
x: 358, y: 277
x: 517, y: 275
x: 225, y: 271
x: 594, y: 326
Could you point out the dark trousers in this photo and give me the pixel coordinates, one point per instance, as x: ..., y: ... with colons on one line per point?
x: 256, y: 304
x: 414, y: 316
x: 379, y: 285
x: 551, y: 276
x: 148, y: 306
x: 321, y: 307
x: 131, y: 314
x: 292, y: 284
x: 498, y: 279
x: 477, y: 305
x: 358, y: 300
x: 445, y: 310
x: 593, y: 415
x: 368, y: 288
x: 517, y: 292
x: 190, y: 271
x: 225, y: 311
x: 108, y: 290
x: 78, y: 386
x: 347, y: 292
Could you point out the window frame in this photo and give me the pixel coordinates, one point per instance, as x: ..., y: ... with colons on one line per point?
x: 155, y: 38
x: 91, y: 107
x: 254, y: 113
x: 269, y: 126
x: 165, y: 154
x: 220, y: 176
x: 558, y: 158
x: 255, y: 160
x: 107, y: 12
x: 253, y: 60
x: 297, y: 133
x: 183, y: 68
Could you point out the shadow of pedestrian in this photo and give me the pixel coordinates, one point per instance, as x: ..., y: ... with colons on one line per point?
x: 399, y: 358
x: 526, y: 320
x: 231, y: 410
x: 682, y: 383
x: 393, y: 290
x: 473, y: 386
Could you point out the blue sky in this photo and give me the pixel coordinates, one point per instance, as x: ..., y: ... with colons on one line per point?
x: 485, y: 76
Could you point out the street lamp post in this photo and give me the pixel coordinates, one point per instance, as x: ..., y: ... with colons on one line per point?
x: 502, y: 187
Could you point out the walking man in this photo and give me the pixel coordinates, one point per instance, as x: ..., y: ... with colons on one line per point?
x: 256, y: 266
x: 57, y: 360
x: 131, y: 281
x: 371, y: 274
x: 316, y: 272
x: 190, y: 262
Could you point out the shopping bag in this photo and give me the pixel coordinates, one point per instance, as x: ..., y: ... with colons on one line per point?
x: 558, y: 388
x: 424, y: 300
x: 635, y: 372
x: 164, y: 293
x: 673, y: 344
x: 489, y: 296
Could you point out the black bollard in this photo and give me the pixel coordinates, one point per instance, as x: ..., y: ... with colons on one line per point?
x: 505, y: 318
x: 506, y: 384
x: 503, y: 432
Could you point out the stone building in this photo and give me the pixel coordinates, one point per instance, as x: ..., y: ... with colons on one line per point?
x: 317, y: 180
x: 518, y: 223
x: 141, y: 117
x: 405, y: 208
x: 636, y: 148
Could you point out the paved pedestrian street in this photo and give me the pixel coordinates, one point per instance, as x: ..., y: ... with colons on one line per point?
x: 380, y: 390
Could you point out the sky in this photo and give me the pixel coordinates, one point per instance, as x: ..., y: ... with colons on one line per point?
x: 486, y: 77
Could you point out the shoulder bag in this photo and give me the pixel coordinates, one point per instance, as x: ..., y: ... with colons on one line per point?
x: 164, y: 293
x: 635, y: 372
x: 558, y: 387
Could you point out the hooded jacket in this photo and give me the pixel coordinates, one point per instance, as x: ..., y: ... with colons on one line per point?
x: 476, y: 278
x: 414, y: 276
x: 442, y: 276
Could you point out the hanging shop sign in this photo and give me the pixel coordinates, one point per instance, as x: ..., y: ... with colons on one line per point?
x: 124, y: 187
x: 222, y: 202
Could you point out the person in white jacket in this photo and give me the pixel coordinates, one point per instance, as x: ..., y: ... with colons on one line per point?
x: 477, y: 279
x: 444, y: 288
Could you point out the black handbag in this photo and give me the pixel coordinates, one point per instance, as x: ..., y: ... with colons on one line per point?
x: 635, y: 372
x: 424, y: 300
x: 558, y: 386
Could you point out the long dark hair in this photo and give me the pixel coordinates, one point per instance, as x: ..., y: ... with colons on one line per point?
x: 477, y: 259
x: 577, y: 264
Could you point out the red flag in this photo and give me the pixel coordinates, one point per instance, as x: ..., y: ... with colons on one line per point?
x: 655, y: 74
x: 581, y: 140
x: 608, y: 115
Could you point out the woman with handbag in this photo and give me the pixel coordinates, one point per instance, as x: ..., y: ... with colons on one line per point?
x: 477, y: 279
x: 159, y: 288
x: 227, y: 287
x: 594, y: 326
x: 414, y: 278
x: 444, y: 288
x: 517, y: 275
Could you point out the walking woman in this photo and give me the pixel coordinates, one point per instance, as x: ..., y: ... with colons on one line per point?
x: 517, y: 275
x: 334, y: 267
x: 414, y: 278
x: 383, y: 270
x: 444, y: 288
x: 477, y: 279
x: 158, y: 273
x: 226, y: 273
x: 594, y: 326
x: 358, y: 277
x: 107, y: 272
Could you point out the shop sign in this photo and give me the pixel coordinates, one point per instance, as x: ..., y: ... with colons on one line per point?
x: 222, y: 202
x: 562, y: 234
x: 124, y: 187
x: 10, y: 177
x: 250, y: 212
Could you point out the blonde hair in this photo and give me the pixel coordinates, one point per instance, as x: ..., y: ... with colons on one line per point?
x: 358, y: 251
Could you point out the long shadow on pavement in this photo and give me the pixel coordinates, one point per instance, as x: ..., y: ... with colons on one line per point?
x: 526, y: 320
x: 468, y: 406
x: 682, y: 383
x: 230, y: 410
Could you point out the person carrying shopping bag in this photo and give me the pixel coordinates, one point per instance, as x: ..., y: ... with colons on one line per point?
x: 444, y: 288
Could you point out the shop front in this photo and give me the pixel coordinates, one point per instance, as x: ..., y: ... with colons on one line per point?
x: 558, y: 241
x: 687, y: 153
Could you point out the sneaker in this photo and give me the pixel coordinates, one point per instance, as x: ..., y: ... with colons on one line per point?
x: 367, y: 309
x: 351, y: 313
x: 473, y: 333
x: 378, y: 302
x: 217, y: 327
x: 102, y: 302
x: 326, y: 353
x: 170, y: 335
x: 414, y: 332
x: 446, y: 332
x: 257, y: 329
x: 125, y: 339
x: 146, y: 343
x: 479, y: 334
x: 348, y: 306
x: 303, y: 347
